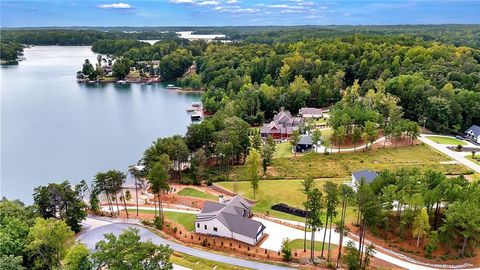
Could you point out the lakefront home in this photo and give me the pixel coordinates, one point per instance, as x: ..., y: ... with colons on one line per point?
x: 282, y: 125
x: 473, y: 133
x: 231, y: 219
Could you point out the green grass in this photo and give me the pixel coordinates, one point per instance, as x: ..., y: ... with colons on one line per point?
x: 446, y: 140
x: 185, y: 219
x: 196, y: 193
x: 283, y: 150
x: 271, y: 192
x: 469, y: 157
x: 298, y: 244
x: 196, y: 263
x: 313, y: 165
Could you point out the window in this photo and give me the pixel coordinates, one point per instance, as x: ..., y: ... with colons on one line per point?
x: 215, y: 229
x: 205, y: 227
x: 198, y: 225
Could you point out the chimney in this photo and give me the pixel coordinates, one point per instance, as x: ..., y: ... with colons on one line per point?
x: 221, y: 199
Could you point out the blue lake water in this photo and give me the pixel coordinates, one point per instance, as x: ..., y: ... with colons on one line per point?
x: 54, y: 129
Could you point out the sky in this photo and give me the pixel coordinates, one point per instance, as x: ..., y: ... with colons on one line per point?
x: 31, y: 13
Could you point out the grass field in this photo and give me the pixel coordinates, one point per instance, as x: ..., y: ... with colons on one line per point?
x: 196, y: 193
x: 298, y: 244
x: 271, y: 192
x: 283, y: 150
x: 312, y: 165
x: 196, y: 263
x: 446, y: 140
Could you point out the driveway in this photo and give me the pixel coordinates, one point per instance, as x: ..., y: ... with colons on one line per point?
x: 458, y: 156
x: 92, y: 236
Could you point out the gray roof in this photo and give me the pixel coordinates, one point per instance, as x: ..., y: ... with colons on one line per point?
x: 234, y: 215
x: 312, y: 111
x: 368, y: 175
x: 474, y: 129
x: 306, y: 140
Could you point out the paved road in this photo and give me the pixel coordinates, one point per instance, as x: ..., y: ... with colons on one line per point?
x: 92, y: 236
x: 458, y: 156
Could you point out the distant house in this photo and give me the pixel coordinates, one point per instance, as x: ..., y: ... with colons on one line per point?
x: 367, y: 175
x: 191, y: 70
x: 282, y: 125
x: 473, y: 133
x: 304, y: 144
x: 311, y: 113
x: 229, y: 219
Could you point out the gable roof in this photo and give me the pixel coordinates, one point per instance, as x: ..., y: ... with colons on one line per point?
x: 368, y: 175
x: 234, y: 215
x: 310, y: 111
x: 474, y: 129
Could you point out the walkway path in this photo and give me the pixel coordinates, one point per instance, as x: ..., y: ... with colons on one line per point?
x: 321, y: 149
x: 91, y: 237
x: 458, y: 156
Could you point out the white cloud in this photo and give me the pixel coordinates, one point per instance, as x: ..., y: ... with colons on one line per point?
x: 115, y: 6
x: 182, y: 1
x: 208, y: 3
x: 231, y: 1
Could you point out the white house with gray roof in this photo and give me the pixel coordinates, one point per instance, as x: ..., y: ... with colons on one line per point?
x: 367, y: 175
x: 229, y: 219
x: 473, y: 133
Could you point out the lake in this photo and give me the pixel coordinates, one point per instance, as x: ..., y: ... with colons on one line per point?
x: 53, y: 129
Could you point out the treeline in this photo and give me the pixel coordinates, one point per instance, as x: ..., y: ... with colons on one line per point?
x: 69, y: 37
x: 10, y: 51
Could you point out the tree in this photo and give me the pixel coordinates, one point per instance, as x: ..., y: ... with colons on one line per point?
x: 370, y: 132
x: 346, y: 193
x: 10, y: 262
x: 316, y: 137
x: 294, y: 139
x: 351, y: 256
x: 78, y: 258
x: 307, y: 186
x: 256, y: 141
x: 121, y: 67
x: 157, y: 177
x: 339, y: 135
x: 421, y: 225
x: 127, y: 251
x: 253, y: 163
x: 331, y: 203
x: 286, y: 250
x: 356, y: 136
x: 61, y: 201
x: 49, y: 241
x: 315, y: 204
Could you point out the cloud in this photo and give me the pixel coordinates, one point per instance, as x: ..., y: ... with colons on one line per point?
x: 231, y: 1
x: 182, y: 1
x: 115, y: 6
x: 208, y: 3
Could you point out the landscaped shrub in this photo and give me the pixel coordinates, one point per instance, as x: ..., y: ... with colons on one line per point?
x: 158, y: 223
x: 286, y: 250
x: 289, y: 210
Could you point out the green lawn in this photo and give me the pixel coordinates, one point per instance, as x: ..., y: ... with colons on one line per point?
x: 283, y: 150
x: 196, y: 263
x: 271, y: 192
x: 192, y: 192
x: 298, y: 244
x: 446, y: 140
x: 313, y: 165
x: 186, y: 219
x: 469, y: 157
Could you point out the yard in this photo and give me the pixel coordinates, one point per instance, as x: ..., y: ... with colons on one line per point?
x: 271, y: 192
x: 196, y: 263
x: 185, y: 219
x: 475, y: 160
x: 192, y: 192
x: 446, y: 140
x: 298, y: 244
x: 312, y: 165
x: 283, y: 150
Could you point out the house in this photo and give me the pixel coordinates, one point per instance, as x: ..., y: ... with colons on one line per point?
x: 473, y: 134
x: 282, y: 125
x: 229, y: 219
x: 310, y: 113
x: 367, y: 175
x: 304, y: 144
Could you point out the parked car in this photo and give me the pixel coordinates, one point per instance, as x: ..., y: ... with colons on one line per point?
x: 460, y: 137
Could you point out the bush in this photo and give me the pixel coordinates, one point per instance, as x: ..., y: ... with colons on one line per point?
x: 286, y: 250
x: 158, y: 222
x: 432, y: 244
x: 175, y: 229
